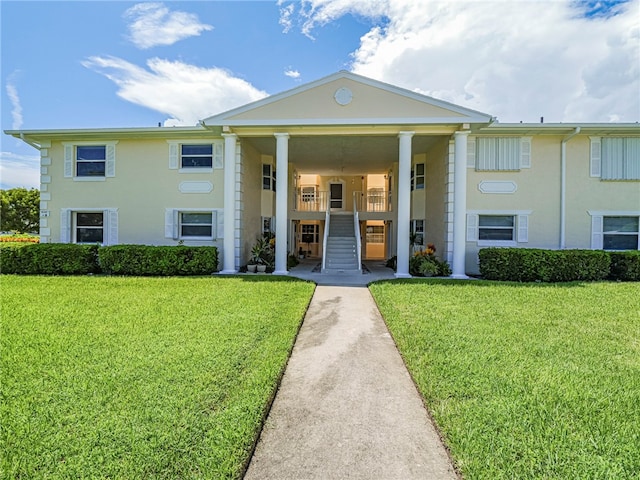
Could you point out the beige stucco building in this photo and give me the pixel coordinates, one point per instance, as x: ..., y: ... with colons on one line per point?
x: 375, y: 161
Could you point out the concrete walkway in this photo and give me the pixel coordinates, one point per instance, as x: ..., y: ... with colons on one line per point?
x: 346, y: 407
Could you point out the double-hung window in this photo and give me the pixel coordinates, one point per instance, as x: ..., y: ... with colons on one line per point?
x: 193, y: 224
x: 190, y: 156
x: 615, y: 158
x: 618, y: 230
x: 89, y: 227
x: 196, y: 156
x: 196, y: 225
x: 499, y: 153
x: 89, y: 160
x: 417, y: 231
x: 268, y: 177
x: 417, y: 177
x: 498, y: 228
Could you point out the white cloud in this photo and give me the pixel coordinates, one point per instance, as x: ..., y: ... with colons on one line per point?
x: 517, y: 60
x: 16, y: 110
x: 186, y: 92
x: 19, y: 170
x: 291, y: 73
x: 152, y: 24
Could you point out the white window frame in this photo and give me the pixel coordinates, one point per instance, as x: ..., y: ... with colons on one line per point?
x: 173, y: 224
x: 271, y: 176
x: 601, y: 166
x: 417, y: 227
x: 309, y: 193
x: 68, y: 224
x: 71, y: 161
x: 520, y: 227
x: 175, y: 155
x: 597, y: 225
x: 415, y: 176
x: 477, y: 160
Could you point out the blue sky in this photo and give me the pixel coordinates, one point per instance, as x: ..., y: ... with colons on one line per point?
x: 81, y: 64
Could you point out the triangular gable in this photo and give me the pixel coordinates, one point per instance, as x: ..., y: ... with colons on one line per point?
x: 348, y: 99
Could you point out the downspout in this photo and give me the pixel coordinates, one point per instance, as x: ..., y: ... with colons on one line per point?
x: 563, y: 187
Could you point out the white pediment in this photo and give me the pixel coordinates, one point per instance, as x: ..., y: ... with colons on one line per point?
x: 347, y: 99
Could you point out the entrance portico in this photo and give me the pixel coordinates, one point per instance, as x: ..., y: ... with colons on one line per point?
x: 340, y: 144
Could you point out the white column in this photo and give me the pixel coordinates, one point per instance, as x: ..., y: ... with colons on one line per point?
x: 228, y: 248
x: 459, y: 204
x: 282, y: 178
x: 404, y: 204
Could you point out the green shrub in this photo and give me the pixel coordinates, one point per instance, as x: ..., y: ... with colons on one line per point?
x: 625, y: 266
x: 162, y: 261
x: 424, y: 264
x: 536, y: 265
x: 49, y: 259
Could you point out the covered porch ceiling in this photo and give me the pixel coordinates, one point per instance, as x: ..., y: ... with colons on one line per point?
x: 342, y: 155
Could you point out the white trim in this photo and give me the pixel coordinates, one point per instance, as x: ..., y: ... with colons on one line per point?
x: 195, y: 170
x: 195, y: 187
x: 525, y: 152
x: 110, y: 157
x: 501, y: 212
x: 217, y: 154
x: 89, y: 179
x: 467, y: 115
x: 614, y: 213
x: 498, y: 186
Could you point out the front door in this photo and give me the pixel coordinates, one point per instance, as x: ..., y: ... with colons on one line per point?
x: 335, y: 196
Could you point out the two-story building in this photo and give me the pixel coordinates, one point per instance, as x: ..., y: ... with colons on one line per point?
x: 343, y: 169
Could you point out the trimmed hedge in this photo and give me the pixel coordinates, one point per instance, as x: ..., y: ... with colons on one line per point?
x: 163, y: 261
x: 625, y: 266
x: 537, y: 265
x: 49, y: 259
x: 74, y: 259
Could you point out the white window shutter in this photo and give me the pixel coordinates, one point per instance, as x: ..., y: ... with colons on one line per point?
x: 472, y: 227
x: 110, y: 170
x: 471, y: 152
x: 596, y: 232
x: 525, y: 152
x: 523, y: 228
x: 171, y: 223
x: 173, y: 156
x: 273, y: 225
x: 68, y: 161
x: 218, y: 155
x: 112, y: 226
x: 220, y: 223
x: 596, y: 156
x: 65, y: 225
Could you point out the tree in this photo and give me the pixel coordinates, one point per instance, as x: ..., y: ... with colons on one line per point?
x: 20, y: 210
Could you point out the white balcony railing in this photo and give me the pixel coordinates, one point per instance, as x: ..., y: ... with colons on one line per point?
x: 315, y: 201
x: 373, y: 200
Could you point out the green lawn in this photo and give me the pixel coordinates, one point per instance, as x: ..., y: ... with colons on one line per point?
x: 108, y: 377
x: 525, y: 380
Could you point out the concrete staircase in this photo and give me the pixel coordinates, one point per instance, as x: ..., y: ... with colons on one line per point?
x: 341, y: 254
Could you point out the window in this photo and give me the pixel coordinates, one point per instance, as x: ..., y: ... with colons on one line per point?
x: 268, y: 225
x: 91, y: 160
x: 310, y: 233
x: 196, y: 224
x: 89, y: 227
x: 417, y: 229
x: 497, y: 228
x: 375, y: 234
x: 85, y: 161
x: 417, y: 177
x: 615, y: 158
x: 620, y: 233
x: 191, y: 224
x: 499, y: 153
x: 187, y: 156
x: 268, y: 177
x: 196, y: 156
